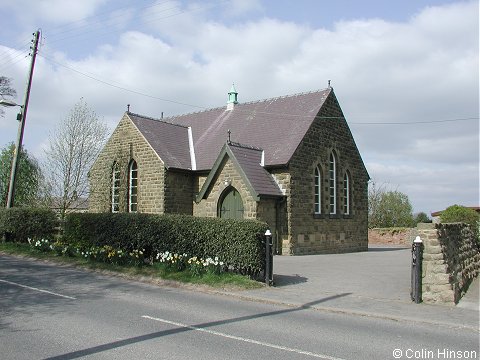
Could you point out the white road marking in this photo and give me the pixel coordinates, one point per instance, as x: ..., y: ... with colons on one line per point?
x: 37, y: 289
x: 238, y: 338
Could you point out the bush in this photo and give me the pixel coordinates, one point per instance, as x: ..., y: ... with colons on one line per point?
x: 237, y: 242
x: 457, y: 213
x: 22, y: 223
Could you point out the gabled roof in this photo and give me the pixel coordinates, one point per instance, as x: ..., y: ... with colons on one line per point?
x: 170, y: 141
x: 276, y: 125
x: 247, y: 160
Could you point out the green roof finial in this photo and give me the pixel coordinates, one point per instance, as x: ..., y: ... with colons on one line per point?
x: 232, y: 95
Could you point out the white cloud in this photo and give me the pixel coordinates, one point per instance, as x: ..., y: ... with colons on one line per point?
x: 425, y: 69
x: 429, y: 187
x: 53, y: 11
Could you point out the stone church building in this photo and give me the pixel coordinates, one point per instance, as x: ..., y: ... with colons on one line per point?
x: 290, y: 161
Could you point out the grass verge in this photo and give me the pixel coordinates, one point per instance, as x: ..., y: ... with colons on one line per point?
x: 156, y: 271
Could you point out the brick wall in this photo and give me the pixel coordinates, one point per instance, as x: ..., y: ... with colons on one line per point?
x: 451, y: 260
x: 325, y: 233
x: 125, y: 144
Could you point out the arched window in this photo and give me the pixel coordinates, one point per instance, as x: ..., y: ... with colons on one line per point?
x: 346, y: 194
x: 115, y: 190
x: 332, y: 177
x: 318, y: 191
x: 132, y: 186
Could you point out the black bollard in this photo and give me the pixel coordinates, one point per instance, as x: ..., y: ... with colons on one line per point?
x: 416, y: 281
x: 268, y: 258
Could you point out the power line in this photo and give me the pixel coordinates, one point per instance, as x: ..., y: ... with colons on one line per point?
x: 143, y: 93
x: 414, y: 122
x: 118, y: 86
x: 98, y: 18
x: 6, y: 60
x: 109, y: 31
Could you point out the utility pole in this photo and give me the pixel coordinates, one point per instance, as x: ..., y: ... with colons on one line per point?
x: 21, y: 125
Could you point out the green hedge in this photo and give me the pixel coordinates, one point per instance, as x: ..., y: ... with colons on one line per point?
x: 236, y: 242
x: 20, y: 223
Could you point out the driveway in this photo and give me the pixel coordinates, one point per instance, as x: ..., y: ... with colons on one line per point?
x: 374, y: 283
x: 381, y: 273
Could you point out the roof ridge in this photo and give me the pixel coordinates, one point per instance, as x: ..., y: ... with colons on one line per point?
x: 194, y: 112
x: 223, y: 107
x: 245, y: 146
x: 286, y: 96
x: 156, y: 119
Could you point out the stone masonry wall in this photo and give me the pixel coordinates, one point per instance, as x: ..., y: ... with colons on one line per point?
x: 451, y: 260
x: 392, y: 236
x: 125, y: 144
x: 178, y: 192
x: 282, y: 243
x: 311, y: 233
x: 208, y: 207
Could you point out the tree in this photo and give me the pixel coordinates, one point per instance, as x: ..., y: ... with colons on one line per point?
x: 388, y: 208
x: 28, y: 180
x: 374, y: 195
x: 72, y: 149
x: 421, y: 217
x: 6, y: 90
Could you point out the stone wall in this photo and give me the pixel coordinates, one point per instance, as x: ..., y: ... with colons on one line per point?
x: 451, y: 260
x: 125, y: 144
x: 282, y: 236
x: 226, y: 173
x: 391, y: 236
x: 178, y: 192
x: 311, y: 233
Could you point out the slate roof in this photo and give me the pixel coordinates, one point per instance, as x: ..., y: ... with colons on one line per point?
x: 247, y: 160
x: 170, y: 141
x: 276, y: 125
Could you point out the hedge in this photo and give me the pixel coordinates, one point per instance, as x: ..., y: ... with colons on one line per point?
x: 21, y: 223
x: 238, y: 243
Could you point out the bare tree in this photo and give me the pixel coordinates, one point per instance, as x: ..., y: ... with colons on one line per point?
x: 6, y: 90
x: 72, y: 149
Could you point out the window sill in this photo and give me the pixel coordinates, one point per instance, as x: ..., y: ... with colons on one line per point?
x: 332, y: 216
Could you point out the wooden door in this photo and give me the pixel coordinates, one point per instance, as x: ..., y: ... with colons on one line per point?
x: 231, y: 205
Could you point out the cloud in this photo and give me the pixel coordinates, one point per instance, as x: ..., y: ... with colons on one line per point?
x: 424, y: 69
x: 55, y: 11
x: 429, y: 188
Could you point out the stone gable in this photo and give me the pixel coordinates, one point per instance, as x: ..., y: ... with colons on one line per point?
x: 311, y: 233
x: 226, y: 176
x: 126, y: 144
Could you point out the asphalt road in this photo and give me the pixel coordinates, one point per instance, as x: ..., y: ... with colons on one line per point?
x: 58, y: 312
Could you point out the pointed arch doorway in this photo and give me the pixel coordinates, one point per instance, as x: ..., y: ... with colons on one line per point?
x: 230, y: 204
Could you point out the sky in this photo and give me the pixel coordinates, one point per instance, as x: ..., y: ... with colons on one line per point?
x: 406, y: 73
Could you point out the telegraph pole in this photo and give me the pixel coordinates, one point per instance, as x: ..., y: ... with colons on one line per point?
x: 21, y: 125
